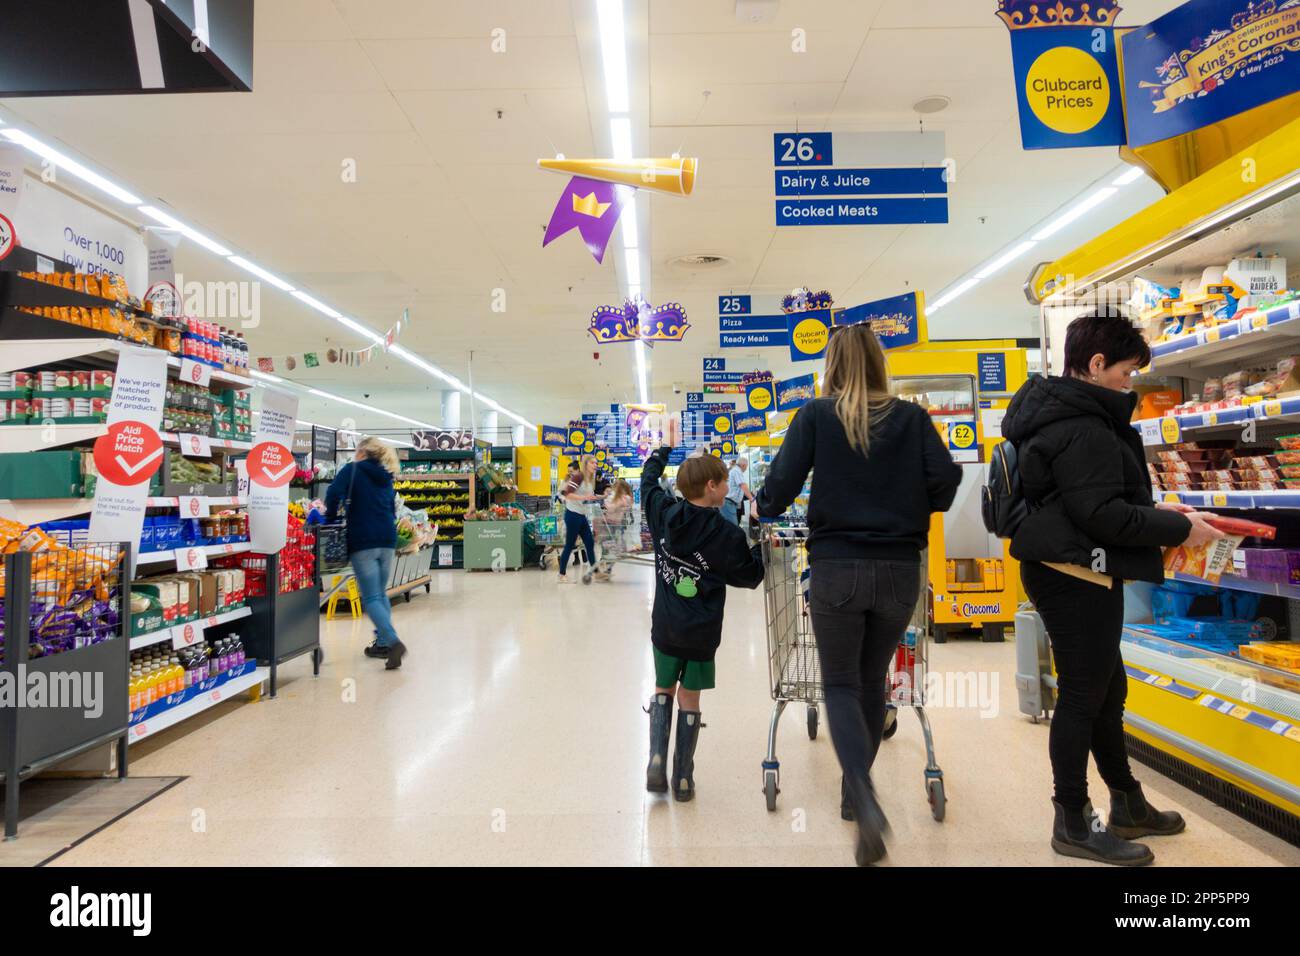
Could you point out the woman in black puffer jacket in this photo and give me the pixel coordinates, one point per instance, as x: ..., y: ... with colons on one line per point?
x: 1092, y: 525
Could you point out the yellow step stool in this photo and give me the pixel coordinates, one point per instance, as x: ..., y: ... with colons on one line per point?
x: 352, y: 596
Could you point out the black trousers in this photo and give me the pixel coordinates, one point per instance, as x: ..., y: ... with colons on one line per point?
x: 1084, y: 622
x: 860, y: 611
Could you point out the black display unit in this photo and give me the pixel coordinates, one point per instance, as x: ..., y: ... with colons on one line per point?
x: 32, y: 738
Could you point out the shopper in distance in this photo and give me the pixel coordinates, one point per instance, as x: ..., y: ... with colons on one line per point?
x: 737, y: 491
x: 1092, y: 525
x: 363, y: 493
x: 879, y: 471
x: 578, y: 492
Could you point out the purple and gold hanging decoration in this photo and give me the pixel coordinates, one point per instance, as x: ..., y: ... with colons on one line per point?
x: 638, y: 320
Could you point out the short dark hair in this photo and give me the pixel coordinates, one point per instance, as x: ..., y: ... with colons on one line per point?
x: 694, y: 474
x: 1113, y: 337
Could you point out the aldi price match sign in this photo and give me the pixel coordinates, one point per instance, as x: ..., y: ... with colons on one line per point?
x: 270, y: 465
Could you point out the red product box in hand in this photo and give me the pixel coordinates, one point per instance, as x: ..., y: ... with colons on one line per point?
x: 1211, y: 559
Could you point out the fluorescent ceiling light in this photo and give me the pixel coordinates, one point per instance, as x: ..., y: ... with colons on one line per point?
x: 261, y: 273
x: 620, y: 137
x: 613, y: 54
x: 627, y: 219
x: 157, y: 215
x: 70, y: 165
x: 316, y: 304
x: 1078, y: 210
x: 1010, y: 256
x: 358, y: 328
x: 951, y: 294
x: 641, y: 371
x: 1132, y: 176
x: 632, y: 266
x: 264, y: 376
x: 369, y: 408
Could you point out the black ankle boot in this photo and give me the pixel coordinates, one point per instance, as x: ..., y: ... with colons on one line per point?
x: 661, y: 725
x: 1080, y: 833
x: 846, y: 807
x: 1131, y: 816
x: 688, y: 734
x: 871, y: 821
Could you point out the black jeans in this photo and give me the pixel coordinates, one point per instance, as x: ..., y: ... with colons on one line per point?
x: 575, y: 526
x: 860, y: 610
x: 1084, y: 622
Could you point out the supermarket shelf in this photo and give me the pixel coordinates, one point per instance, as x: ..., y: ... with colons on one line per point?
x: 211, y: 550
x: 1174, y: 428
x: 157, y: 637
x: 24, y: 353
x: 1273, y: 332
x: 197, y: 705
x: 1233, y: 499
x: 25, y: 438
x: 1235, y: 583
x: 35, y: 510
x: 1227, y: 676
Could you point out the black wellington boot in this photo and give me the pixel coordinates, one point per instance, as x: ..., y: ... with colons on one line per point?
x: 688, y: 734
x: 871, y: 821
x: 1132, y: 817
x: 1080, y: 833
x: 661, y: 725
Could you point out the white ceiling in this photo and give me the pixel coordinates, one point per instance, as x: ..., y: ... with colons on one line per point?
x: 449, y: 205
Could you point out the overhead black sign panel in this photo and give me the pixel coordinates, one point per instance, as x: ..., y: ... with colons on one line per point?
x: 90, y: 47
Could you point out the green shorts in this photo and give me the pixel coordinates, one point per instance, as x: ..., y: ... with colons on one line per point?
x: 693, y: 675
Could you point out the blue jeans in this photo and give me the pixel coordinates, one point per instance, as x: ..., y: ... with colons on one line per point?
x: 372, y: 567
x: 575, y: 525
x: 731, y: 511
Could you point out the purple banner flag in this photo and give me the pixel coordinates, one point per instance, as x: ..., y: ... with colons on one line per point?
x: 591, y: 207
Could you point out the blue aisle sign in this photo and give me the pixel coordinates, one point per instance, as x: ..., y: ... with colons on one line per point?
x: 909, y: 171
x: 1208, y: 60
x: 752, y: 323
x: 750, y: 340
x: 734, y: 305
x: 861, y: 182
x: 861, y: 212
x: 715, y: 365
x: 722, y: 377
x: 694, y: 398
x: 897, y: 321
x: 993, y: 371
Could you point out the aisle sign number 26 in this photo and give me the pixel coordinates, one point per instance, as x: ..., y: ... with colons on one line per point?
x: 807, y: 149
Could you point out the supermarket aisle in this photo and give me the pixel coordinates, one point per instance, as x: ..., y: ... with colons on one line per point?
x: 514, y: 734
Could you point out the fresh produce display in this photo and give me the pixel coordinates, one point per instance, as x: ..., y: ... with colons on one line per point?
x: 496, y: 513
x: 190, y: 471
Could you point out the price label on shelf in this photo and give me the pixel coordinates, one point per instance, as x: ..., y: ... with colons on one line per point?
x: 191, y: 559
x: 193, y: 506
x: 1219, y: 500
x: 1170, y: 429
x: 1150, y: 428
x: 1273, y: 408
x: 195, y: 446
x: 187, y: 635
x: 196, y: 373
x: 1209, y: 335
x: 1171, y: 497
x: 1259, y: 321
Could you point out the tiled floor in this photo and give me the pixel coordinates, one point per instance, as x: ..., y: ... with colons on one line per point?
x: 514, y: 734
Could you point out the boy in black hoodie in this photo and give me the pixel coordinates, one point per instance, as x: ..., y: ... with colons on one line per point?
x: 697, y: 554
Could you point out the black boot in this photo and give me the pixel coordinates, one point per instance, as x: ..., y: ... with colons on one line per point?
x: 661, y: 725
x: 1132, y: 817
x: 688, y: 733
x: 871, y: 821
x: 1080, y: 833
x: 846, y: 808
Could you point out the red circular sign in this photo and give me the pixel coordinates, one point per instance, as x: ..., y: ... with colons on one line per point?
x: 196, y: 446
x: 188, y: 634
x: 8, y: 237
x: 129, y: 453
x: 270, y: 465
x: 194, y: 507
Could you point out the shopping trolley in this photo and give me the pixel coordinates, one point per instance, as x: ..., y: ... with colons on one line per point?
x: 548, y: 537
x: 906, y: 685
x: 793, y: 667
x: 611, y: 533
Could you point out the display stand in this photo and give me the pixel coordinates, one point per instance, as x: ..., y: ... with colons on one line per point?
x: 430, y: 490
x: 287, y: 625
x: 33, y: 738
x: 1221, y: 724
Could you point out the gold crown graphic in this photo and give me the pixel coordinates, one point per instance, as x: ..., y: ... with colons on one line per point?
x: 588, y: 206
x: 1022, y: 14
